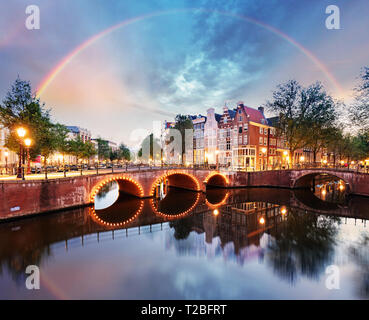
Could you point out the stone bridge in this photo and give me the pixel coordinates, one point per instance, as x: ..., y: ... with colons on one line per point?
x: 20, y: 198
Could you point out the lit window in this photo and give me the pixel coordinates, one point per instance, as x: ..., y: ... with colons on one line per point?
x: 261, y: 130
x: 265, y: 141
x: 261, y: 141
x: 265, y: 131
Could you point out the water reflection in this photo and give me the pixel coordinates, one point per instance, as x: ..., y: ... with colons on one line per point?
x: 330, y: 189
x: 277, y: 240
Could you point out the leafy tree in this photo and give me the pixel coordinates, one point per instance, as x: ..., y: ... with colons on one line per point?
x: 21, y: 108
x: 304, y: 114
x: 154, y: 145
x: 359, y: 112
x: 125, y: 153
x: 183, y: 122
x: 103, y: 149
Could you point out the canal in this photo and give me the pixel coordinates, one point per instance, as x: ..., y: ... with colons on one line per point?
x: 253, y: 243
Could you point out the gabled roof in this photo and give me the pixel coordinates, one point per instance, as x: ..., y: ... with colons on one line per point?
x: 255, y: 115
x: 232, y: 113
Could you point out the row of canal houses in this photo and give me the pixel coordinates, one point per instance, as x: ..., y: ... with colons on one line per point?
x: 241, y: 138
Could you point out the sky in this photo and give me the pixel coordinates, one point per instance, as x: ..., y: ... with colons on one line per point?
x: 165, y: 57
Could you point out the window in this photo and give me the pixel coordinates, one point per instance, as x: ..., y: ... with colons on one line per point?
x: 239, y: 111
x: 228, y: 145
x: 265, y: 131
x: 225, y: 120
x: 240, y: 129
x: 240, y: 118
x: 240, y: 139
x: 245, y: 126
x: 261, y: 141
x: 265, y: 141
x: 245, y: 139
x: 261, y: 130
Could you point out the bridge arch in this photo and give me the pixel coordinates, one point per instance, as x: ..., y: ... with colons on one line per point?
x: 126, y: 185
x: 216, y: 179
x: 304, y: 180
x: 178, y: 179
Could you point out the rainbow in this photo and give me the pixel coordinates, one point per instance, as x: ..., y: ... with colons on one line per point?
x: 46, y: 81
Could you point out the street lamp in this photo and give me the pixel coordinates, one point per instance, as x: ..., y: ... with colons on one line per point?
x: 6, y: 153
x: 21, y: 132
x: 28, y: 143
x: 264, y: 150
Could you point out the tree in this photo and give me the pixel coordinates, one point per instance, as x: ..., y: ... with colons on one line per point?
x: 125, y: 153
x: 76, y: 148
x: 359, y: 112
x: 103, y: 149
x: 149, y: 143
x: 304, y: 115
x: 21, y: 108
x: 183, y: 122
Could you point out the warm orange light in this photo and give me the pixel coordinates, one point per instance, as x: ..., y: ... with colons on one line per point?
x: 324, y: 161
x: 215, y: 212
x: 263, y: 150
x: 28, y: 142
x: 285, y: 153
x: 261, y: 220
x: 324, y: 192
x: 21, y: 132
x: 302, y: 158
x: 342, y: 187
x: 283, y: 210
x: 6, y: 153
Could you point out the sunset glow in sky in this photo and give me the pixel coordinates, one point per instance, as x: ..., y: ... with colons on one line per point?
x: 115, y: 66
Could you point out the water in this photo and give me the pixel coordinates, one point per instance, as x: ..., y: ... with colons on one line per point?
x: 228, y: 244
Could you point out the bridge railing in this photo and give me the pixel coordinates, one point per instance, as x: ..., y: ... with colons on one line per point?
x: 45, y: 173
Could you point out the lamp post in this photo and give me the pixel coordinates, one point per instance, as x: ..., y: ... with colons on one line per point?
x: 28, y: 143
x: 6, y: 153
x: 264, y: 150
x: 21, y: 132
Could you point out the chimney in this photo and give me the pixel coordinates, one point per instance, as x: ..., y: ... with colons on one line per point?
x: 261, y: 109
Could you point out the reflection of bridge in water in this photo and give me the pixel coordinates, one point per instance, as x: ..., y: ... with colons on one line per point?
x: 243, y: 215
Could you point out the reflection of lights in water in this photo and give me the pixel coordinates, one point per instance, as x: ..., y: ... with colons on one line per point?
x: 174, y: 216
x: 262, y: 220
x: 215, y: 212
x: 93, y: 213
